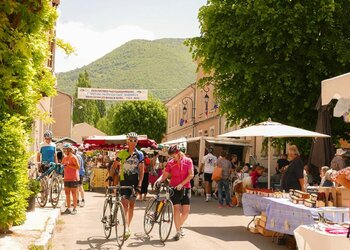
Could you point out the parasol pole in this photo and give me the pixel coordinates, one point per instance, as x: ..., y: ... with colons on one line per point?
x: 268, y: 161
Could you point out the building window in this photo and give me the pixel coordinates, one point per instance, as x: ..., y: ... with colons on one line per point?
x: 212, y: 132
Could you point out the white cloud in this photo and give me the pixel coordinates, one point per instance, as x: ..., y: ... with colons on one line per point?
x: 91, y: 45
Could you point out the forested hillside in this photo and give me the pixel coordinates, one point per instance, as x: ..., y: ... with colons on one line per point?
x: 163, y: 66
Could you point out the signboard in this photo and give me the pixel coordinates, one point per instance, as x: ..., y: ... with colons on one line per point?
x: 113, y: 94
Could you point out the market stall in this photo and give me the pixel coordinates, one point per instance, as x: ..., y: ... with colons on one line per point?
x: 284, y: 212
x: 102, y: 149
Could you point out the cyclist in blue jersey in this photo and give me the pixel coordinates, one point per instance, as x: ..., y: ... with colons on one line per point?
x: 47, y: 151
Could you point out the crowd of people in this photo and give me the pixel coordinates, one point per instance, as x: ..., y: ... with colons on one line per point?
x: 132, y: 167
x: 74, y: 169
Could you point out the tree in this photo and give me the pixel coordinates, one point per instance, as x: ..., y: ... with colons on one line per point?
x: 268, y: 58
x: 144, y: 117
x: 85, y: 110
x: 24, y: 32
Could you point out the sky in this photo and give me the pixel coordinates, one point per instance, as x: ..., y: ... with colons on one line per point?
x: 96, y: 27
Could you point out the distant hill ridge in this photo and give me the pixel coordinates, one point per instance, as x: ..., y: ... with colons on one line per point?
x: 163, y: 66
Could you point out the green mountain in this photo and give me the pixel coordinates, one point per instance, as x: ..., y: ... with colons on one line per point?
x: 164, y: 67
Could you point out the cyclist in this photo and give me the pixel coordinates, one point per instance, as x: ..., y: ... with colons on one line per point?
x: 209, y: 161
x: 180, y: 168
x: 131, y: 170
x: 47, y: 151
x: 71, y: 175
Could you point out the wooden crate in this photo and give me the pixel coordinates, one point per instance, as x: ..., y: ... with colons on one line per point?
x: 343, y: 197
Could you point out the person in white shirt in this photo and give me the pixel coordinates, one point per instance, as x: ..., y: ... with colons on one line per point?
x: 209, y: 161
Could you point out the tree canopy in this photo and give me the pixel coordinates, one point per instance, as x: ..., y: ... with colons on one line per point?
x: 144, y: 117
x: 268, y: 58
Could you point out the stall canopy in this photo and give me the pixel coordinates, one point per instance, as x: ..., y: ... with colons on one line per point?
x: 337, y: 88
x: 270, y: 130
x: 116, y: 141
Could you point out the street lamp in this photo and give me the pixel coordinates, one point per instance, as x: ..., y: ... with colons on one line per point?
x: 206, y: 99
x: 185, y: 101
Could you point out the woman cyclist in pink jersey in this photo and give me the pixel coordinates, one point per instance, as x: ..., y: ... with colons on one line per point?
x: 180, y: 168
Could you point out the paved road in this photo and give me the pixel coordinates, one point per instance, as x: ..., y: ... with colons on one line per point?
x: 207, y: 227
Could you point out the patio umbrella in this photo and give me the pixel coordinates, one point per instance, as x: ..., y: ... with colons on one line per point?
x: 270, y: 130
x: 322, y: 150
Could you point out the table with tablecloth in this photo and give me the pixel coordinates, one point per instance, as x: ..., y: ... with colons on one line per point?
x: 310, y: 237
x: 282, y: 215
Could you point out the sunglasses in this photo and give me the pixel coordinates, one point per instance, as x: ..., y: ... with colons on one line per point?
x: 132, y: 140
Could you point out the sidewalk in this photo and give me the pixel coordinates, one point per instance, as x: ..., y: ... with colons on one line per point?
x: 37, y: 231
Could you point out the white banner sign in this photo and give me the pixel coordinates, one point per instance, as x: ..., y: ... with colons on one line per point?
x: 113, y: 94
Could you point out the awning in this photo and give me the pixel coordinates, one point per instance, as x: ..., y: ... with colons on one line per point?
x: 214, y: 140
x: 117, y: 141
x: 233, y: 143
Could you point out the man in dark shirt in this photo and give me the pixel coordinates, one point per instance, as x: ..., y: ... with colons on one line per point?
x: 281, y: 163
x: 293, y: 177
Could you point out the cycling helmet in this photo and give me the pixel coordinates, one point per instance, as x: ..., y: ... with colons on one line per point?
x: 173, y: 150
x: 67, y: 146
x: 131, y: 135
x: 48, y: 134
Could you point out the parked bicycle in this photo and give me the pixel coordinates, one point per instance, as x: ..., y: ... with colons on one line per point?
x: 113, y: 213
x: 160, y: 210
x: 51, y: 184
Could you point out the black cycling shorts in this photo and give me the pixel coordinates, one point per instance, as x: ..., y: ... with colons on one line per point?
x: 181, y: 197
x: 129, y: 180
x: 207, y: 177
x: 80, y: 182
x: 71, y: 184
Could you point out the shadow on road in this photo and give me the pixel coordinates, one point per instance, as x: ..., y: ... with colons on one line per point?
x: 98, y: 242
x: 237, y: 233
x: 144, y: 240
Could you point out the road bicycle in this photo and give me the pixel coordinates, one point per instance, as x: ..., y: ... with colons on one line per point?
x: 113, y: 213
x: 51, y: 184
x: 160, y: 210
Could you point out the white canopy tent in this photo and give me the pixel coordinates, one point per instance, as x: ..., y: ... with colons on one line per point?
x: 270, y: 130
x: 337, y: 88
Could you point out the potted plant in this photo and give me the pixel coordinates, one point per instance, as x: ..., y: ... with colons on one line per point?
x: 34, y: 188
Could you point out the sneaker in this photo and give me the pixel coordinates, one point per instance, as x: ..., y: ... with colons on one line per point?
x: 127, y: 234
x: 177, y: 236
x: 215, y: 196
x: 207, y: 199
x: 82, y: 203
x: 67, y: 211
x: 220, y: 206
x: 182, y: 232
x: 74, y: 211
x: 230, y: 205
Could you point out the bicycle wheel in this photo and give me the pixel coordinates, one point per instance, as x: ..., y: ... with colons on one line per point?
x: 43, y: 193
x: 55, y: 191
x: 107, y: 217
x: 149, y: 216
x: 119, y: 223
x: 166, y: 221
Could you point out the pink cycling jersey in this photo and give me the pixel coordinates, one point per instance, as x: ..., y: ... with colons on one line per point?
x: 179, y: 172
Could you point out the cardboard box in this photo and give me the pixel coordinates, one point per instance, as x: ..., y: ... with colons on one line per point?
x: 263, y: 216
x: 265, y: 232
x: 342, y: 197
x: 327, y: 190
x: 262, y: 223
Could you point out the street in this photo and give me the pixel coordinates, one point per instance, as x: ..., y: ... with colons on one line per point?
x: 207, y: 227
